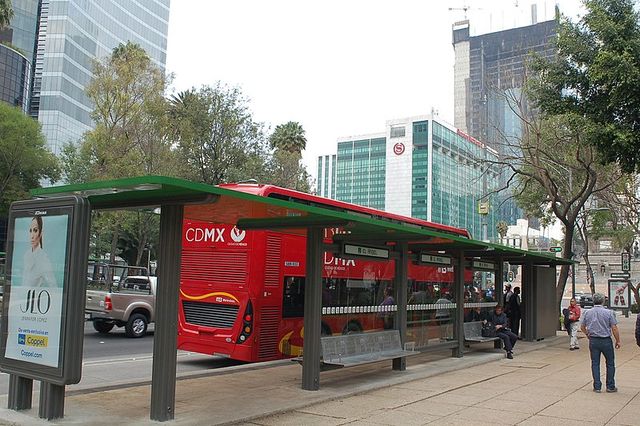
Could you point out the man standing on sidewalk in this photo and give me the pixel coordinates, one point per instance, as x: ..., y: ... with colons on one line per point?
x: 599, y: 324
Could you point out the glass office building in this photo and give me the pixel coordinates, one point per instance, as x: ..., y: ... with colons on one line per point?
x: 70, y: 36
x: 15, y: 71
x: 24, y: 26
x: 327, y: 170
x: 418, y: 167
x: 360, y: 171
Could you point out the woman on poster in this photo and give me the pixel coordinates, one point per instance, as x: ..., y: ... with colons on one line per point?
x: 37, y: 270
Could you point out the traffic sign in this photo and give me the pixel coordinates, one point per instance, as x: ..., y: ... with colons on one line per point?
x: 555, y: 249
x: 625, y: 260
x: 623, y: 275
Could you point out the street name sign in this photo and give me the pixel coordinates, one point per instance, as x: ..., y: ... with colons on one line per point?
x: 623, y: 275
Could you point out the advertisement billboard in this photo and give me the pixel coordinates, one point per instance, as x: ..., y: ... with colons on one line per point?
x: 44, y: 299
x: 619, y: 294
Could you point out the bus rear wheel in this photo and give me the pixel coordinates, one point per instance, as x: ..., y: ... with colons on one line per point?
x: 325, y: 330
x: 352, y: 327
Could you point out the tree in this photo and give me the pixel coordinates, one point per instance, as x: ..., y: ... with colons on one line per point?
x: 216, y: 136
x: 130, y: 137
x: 25, y: 160
x: 596, y: 75
x: 6, y: 13
x: 288, y: 141
x: 618, y: 218
x: 131, y: 133
x: 555, y: 171
x: 288, y: 137
x: 286, y: 170
x: 502, y: 228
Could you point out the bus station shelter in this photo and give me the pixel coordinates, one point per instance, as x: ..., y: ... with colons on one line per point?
x: 309, y: 216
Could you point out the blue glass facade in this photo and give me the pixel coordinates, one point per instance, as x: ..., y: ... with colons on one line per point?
x: 71, y: 35
x: 360, y: 172
x: 14, y: 77
x: 24, y: 26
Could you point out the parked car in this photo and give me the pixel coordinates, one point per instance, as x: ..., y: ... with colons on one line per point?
x: 128, y: 303
x: 586, y: 301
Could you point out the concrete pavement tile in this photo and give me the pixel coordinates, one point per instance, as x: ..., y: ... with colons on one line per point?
x: 529, y: 406
x: 458, y: 422
x: 299, y: 418
x: 430, y: 385
x: 396, y: 417
x: 487, y: 415
x: 351, y: 407
x: 401, y: 395
x: 462, y: 399
x: 523, y: 397
x: 596, y: 407
x: 629, y: 413
x: 540, y: 420
x: 538, y: 389
x: 432, y: 408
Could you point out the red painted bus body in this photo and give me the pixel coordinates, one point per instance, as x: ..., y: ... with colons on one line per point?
x: 242, y: 292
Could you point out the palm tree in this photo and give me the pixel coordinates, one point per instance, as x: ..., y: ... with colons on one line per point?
x: 6, y: 13
x: 289, y: 137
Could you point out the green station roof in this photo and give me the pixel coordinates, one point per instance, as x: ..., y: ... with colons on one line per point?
x: 249, y: 211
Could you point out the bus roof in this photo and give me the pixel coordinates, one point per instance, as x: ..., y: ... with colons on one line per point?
x: 286, y: 194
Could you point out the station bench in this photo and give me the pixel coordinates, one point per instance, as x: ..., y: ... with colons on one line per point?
x: 473, y: 333
x: 361, y: 348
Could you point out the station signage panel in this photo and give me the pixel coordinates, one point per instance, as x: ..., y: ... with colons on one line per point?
x: 365, y: 251
x: 435, y: 260
x: 488, y: 266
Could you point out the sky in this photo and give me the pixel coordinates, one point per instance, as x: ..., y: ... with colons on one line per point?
x: 338, y: 67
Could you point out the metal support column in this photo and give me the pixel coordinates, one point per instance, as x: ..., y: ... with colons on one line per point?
x: 312, y: 311
x: 499, y: 281
x: 458, y: 318
x: 402, y: 275
x: 20, y: 391
x: 51, y: 401
x: 528, y: 302
x: 163, y: 379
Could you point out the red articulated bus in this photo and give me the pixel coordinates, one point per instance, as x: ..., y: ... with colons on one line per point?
x: 242, y: 292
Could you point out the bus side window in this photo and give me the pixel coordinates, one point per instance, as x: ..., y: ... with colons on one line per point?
x: 293, y: 297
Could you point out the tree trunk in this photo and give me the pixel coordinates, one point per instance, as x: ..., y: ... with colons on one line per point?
x: 567, y: 253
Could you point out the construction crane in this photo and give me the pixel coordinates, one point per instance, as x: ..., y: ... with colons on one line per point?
x: 465, y: 8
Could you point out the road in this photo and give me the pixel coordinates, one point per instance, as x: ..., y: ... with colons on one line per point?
x: 112, y: 359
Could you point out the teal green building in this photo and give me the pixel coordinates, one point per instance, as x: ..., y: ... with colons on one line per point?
x: 420, y: 167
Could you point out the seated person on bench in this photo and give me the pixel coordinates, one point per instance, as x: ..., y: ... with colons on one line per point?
x: 499, y: 320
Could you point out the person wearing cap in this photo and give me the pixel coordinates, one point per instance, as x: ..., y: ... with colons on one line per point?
x: 599, y: 323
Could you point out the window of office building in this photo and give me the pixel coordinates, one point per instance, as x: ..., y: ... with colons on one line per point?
x: 397, y: 132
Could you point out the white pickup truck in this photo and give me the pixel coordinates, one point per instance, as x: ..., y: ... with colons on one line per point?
x: 127, y: 302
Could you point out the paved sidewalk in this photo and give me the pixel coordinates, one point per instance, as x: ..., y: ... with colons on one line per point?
x: 550, y: 386
x: 545, y: 384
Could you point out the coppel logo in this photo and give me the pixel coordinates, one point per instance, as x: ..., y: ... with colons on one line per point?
x: 22, y: 339
x: 237, y: 235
